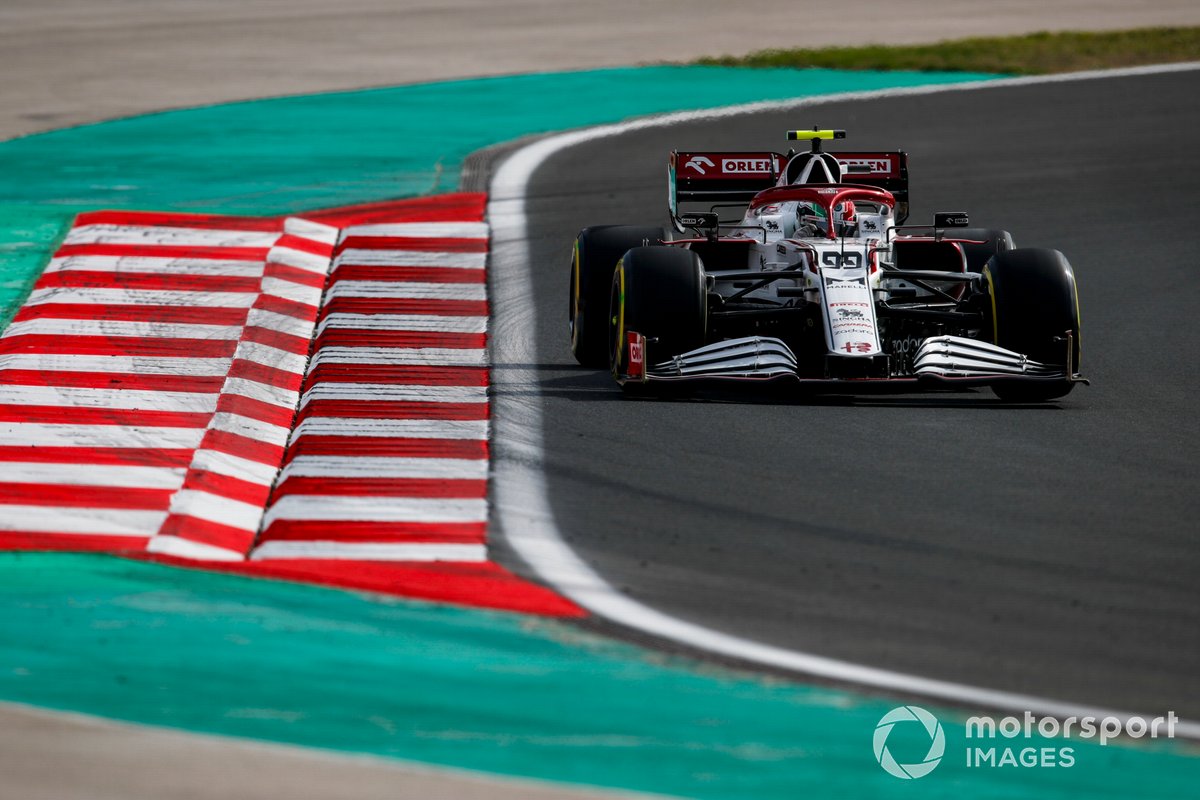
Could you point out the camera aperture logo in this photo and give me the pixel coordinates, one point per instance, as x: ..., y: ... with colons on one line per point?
x: 905, y: 715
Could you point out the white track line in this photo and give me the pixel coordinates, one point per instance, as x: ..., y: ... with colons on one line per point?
x: 375, y: 508
x: 475, y: 469
x: 421, y: 230
x: 410, y: 258
x: 436, y: 323
x: 104, y: 233
x: 518, y: 456
x: 370, y: 551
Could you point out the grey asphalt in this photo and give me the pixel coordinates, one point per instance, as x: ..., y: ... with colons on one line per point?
x: 1049, y: 550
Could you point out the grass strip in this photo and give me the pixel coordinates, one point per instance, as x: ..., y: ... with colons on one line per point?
x: 1031, y: 54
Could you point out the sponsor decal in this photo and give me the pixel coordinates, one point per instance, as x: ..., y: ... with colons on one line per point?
x: 745, y: 165
x: 770, y: 224
x: 845, y: 283
x: 867, y: 166
x: 870, y: 225
x: 849, y: 312
x: 698, y: 163
x: 637, y: 354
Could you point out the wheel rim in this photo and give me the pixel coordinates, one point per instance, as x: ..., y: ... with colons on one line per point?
x: 616, y: 322
x: 576, y: 301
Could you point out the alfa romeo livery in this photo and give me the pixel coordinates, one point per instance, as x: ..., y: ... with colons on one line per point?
x: 817, y: 280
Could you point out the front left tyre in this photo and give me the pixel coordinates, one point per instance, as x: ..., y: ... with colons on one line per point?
x: 597, y: 251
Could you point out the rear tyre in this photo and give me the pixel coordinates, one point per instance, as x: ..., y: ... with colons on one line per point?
x: 597, y: 250
x: 1034, y: 304
x: 660, y: 293
x: 993, y: 243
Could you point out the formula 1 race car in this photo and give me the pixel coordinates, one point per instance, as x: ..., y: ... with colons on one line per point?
x: 819, y: 282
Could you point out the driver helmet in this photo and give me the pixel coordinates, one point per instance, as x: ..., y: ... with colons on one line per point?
x: 813, y: 215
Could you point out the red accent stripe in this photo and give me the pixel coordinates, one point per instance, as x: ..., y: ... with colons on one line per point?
x: 66, y: 344
x: 73, y: 542
x: 225, y: 486
x: 206, y: 531
x: 146, y: 281
x: 425, y: 244
x: 80, y: 415
x: 256, y: 409
x: 384, y: 487
x: 304, y: 244
x: 401, y: 305
x: 73, y: 496
x: 387, y: 446
x: 357, y: 337
x: 289, y: 308
x: 165, y: 251
x: 277, y: 339
x: 483, y: 585
x: 376, y: 409
x: 359, y: 531
x: 253, y: 371
x: 294, y: 274
x: 176, y: 220
x: 359, y: 272
x: 177, y: 314
x: 388, y: 374
x: 207, y: 384
x: 242, y: 446
x: 114, y: 456
x: 459, y: 207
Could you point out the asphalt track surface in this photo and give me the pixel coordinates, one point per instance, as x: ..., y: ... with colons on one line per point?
x: 1048, y: 550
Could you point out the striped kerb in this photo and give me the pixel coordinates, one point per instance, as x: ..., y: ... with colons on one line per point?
x: 388, y: 459
x: 112, y: 374
x: 303, y: 398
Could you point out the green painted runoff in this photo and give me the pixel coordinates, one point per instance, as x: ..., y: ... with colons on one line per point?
x: 481, y: 690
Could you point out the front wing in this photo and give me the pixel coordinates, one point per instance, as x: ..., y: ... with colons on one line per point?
x: 945, y: 360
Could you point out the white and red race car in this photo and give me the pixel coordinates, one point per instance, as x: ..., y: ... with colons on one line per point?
x: 817, y: 281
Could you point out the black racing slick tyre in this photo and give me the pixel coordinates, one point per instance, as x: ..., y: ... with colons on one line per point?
x: 597, y: 250
x: 992, y: 243
x: 660, y: 293
x: 1034, y: 309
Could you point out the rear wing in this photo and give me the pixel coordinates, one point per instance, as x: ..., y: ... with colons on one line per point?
x: 734, y: 178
